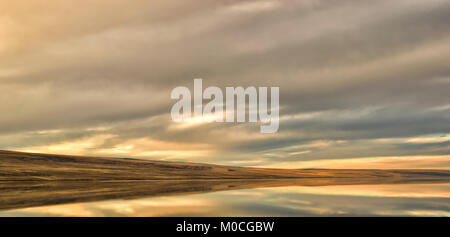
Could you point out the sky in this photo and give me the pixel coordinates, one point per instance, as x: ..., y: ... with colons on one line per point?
x: 363, y: 83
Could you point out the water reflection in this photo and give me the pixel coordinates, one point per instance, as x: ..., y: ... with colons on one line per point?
x: 421, y: 199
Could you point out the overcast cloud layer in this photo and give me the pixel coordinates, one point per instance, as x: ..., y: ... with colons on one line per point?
x: 362, y: 83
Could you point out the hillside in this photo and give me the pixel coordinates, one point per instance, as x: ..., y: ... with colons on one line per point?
x: 19, y: 166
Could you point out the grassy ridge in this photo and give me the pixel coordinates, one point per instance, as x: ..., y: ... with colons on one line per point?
x: 20, y: 166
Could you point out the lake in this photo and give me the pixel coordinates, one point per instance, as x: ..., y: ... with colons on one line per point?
x: 267, y: 198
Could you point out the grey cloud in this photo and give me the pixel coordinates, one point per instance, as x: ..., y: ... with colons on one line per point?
x: 116, y: 66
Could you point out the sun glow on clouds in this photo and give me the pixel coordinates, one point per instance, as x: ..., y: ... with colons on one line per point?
x: 196, y: 121
x: 77, y: 147
x: 430, y: 139
x: 257, y: 6
x: 388, y: 162
x: 140, y: 148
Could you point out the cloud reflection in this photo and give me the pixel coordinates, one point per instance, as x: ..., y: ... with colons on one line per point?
x: 355, y: 200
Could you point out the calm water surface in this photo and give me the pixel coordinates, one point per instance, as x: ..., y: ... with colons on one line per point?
x: 338, y: 200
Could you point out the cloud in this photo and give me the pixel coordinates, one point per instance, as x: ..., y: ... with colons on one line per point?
x: 350, y: 73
